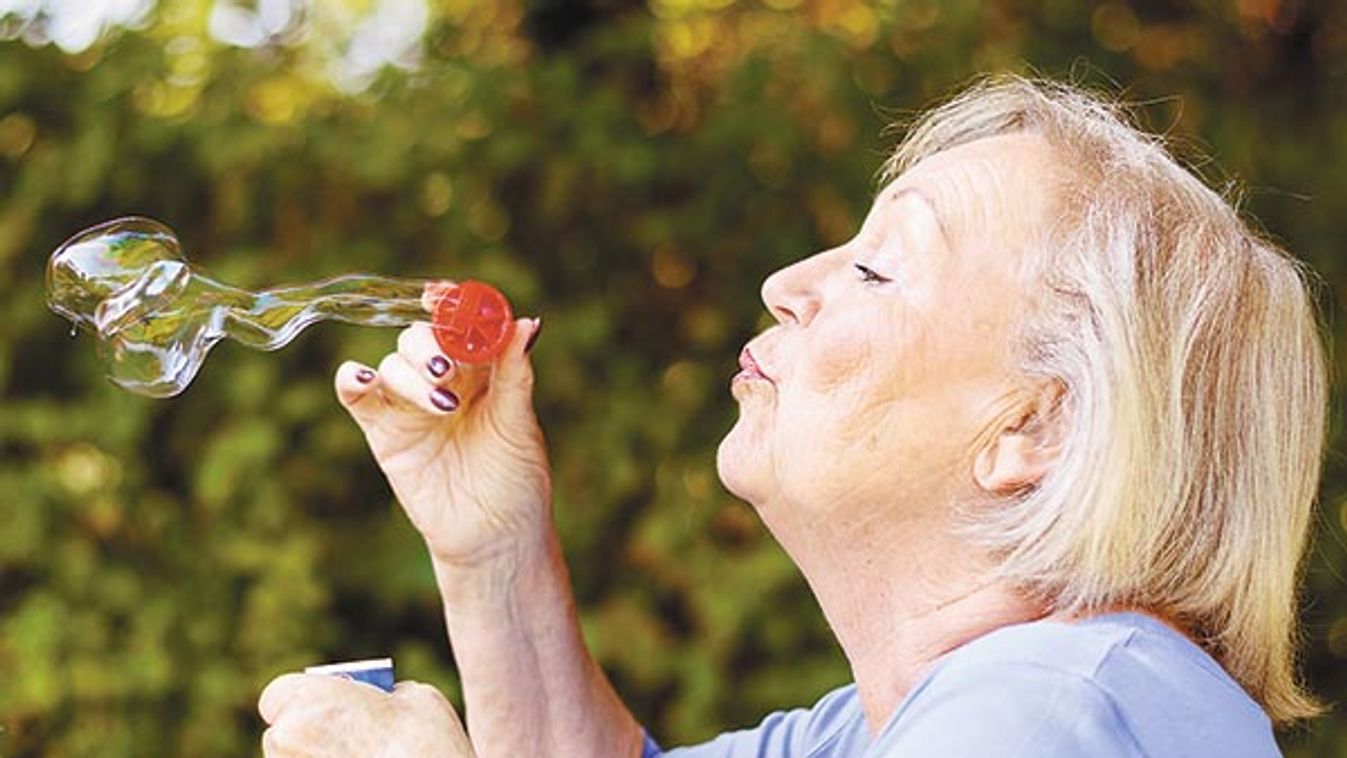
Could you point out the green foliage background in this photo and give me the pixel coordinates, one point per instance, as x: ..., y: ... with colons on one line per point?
x: 631, y: 173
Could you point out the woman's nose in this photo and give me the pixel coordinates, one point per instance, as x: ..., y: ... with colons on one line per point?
x: 792, y: 293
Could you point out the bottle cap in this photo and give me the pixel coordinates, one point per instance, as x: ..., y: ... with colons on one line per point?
x: 375, y: 671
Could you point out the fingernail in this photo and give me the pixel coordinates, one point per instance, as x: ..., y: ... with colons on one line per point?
x: 537, y: 329
x: 364, y: 376
x: 443, y: 399
x: 438, y: 365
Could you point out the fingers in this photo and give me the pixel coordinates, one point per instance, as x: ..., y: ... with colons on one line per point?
x: 295, y: 737
x: 357, y: 388
x: 277, y: 696
x: 417, y: 344
x: 313, y: 715
x: 403, y: 384
x: 369, y: 395
x: 418, y: 376
x: 294, y: 690
x: 419, y: 691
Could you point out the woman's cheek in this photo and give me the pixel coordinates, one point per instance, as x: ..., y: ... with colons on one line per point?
x: 841, y: 360
x: 845, y: 395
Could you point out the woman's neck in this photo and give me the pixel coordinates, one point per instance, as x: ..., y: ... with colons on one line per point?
x: 896, y: 607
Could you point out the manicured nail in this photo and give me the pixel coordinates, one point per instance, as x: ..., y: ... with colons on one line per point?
x: 364, y: 376
x: 537, y: 329
x: 443, y: 399
x: 438, y: 365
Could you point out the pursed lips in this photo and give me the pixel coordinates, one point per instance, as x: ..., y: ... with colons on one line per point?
x: 749, y: 367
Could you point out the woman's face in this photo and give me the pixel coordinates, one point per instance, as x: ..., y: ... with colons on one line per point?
x: 891, y: 357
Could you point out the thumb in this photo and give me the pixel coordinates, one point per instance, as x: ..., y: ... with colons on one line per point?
x: 424, y: 699
x: 512, y: 379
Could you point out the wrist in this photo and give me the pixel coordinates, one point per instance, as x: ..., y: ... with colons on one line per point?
x: 499, y: 571
x: 490, y: 536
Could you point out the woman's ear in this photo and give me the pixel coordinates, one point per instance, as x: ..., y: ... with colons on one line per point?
x: 1017, y: 456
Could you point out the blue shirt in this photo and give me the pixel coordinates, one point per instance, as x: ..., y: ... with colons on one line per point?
x: 1114, y: 686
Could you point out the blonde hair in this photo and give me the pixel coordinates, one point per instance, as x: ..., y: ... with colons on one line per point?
x: 1194, y: 394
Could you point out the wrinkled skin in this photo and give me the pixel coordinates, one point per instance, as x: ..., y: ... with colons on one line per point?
x: 320, y: 716
x: 474, y: 480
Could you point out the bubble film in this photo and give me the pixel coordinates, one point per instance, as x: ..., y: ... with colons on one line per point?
x: 127, y: 282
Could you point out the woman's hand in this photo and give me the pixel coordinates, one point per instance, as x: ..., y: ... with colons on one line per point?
x: 473, y: 477
x: 320, y: 716
x: 460, y: 445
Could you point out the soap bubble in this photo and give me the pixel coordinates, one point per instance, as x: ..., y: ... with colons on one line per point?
x: 128, y: 283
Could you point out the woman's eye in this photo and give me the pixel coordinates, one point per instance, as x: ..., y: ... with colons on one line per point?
x: 869, y: 276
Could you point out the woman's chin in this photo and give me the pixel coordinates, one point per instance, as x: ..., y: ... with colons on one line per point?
x: 741, y: 465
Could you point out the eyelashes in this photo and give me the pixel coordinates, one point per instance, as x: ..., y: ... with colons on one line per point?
x: 869, y: 275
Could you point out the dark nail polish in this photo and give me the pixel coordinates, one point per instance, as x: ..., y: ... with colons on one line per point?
x: 443, y: 399
x: 537, y: 329
x: 439, y: 365
x: 364, y: 376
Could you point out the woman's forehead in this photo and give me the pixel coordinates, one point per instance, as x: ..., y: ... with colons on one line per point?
x: 992, y: 185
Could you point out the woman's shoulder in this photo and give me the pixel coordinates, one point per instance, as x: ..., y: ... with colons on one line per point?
x: 1079, y: 648
x: 1120, y: 653
x: 1124, y: 683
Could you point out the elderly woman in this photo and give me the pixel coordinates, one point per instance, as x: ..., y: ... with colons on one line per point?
x: 1043, y: 438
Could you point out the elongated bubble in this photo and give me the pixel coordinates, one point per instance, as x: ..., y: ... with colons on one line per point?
x: 155, y: 318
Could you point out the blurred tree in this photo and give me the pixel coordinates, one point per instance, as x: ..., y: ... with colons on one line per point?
x: 629, y: 172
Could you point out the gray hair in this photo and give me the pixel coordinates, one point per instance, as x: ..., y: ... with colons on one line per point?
x: 1195, y: 391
